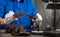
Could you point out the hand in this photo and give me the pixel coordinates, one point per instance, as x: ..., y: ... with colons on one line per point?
x: 9, y: 17
x: 1, y: 21
x: 12, y: 16
x: 35, y: 17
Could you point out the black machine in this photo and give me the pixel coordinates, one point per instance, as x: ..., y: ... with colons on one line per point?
x: 55, y: 5
x: 50, y: 0
x: 15, y: 31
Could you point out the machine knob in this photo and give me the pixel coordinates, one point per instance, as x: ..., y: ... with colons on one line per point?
x: 16, y: 30
x: 9, y: 30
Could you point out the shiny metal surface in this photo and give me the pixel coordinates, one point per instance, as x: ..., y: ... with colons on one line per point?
x: 9, y: 35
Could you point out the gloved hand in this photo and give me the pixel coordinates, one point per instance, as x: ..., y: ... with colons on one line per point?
x: 38, y: 21
x: 9, y: 17
x: 39, y: 17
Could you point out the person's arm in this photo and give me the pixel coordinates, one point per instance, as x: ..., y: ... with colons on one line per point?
x: 32, y: 6
x: 1, y: 11
x: 34, y: 10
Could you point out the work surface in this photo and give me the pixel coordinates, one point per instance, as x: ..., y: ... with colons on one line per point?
x: 9, y: 35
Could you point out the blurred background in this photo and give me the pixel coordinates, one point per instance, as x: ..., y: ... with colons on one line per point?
x: 47, y: 14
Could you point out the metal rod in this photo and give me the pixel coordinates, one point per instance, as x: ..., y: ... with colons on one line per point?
x: 54, y: 17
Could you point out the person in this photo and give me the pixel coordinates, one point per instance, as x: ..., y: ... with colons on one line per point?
x: 16, y: 6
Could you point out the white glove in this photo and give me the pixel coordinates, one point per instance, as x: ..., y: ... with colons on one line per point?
x: 39, y: 18
x: 8, y: 17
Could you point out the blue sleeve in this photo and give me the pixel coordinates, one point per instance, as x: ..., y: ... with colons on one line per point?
x: 34, y: 11
x: 33, y: 7
x: 2, y: 4
x: 1, y: 8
